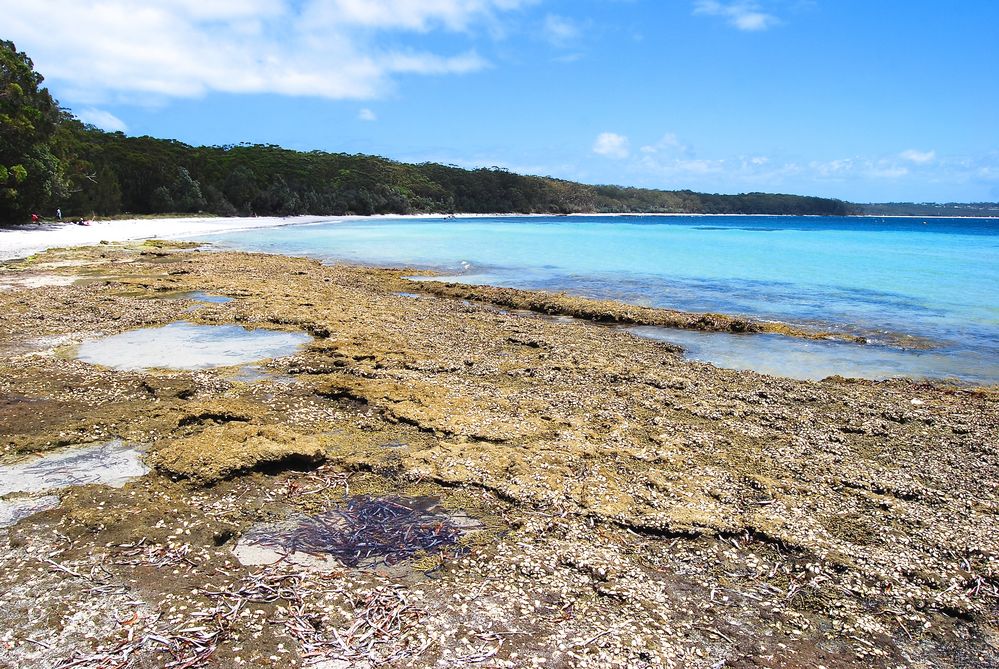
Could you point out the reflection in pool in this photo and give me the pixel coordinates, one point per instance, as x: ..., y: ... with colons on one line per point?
x: 208, y: 298
x: 817, y: 359
x: 189, y: 346
x: 14, y: 510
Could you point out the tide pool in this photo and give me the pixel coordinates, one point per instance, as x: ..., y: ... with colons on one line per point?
x: 936, y: 279
x: 185, y: 345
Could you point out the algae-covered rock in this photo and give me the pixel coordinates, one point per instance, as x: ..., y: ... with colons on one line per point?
x: 434, y: 408
x: 653, y: 508
x: 169, y: 244
x: 170, y: 387
x: 225, y: 450
x: 219, y: 411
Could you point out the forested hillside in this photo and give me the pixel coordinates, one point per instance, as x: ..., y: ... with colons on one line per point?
x: 49, y: 159
x: 952, y: 209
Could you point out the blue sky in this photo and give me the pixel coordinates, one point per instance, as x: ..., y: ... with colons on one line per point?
x: 866, y: 101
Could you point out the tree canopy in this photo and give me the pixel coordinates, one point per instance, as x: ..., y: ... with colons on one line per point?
x: 29, y: 172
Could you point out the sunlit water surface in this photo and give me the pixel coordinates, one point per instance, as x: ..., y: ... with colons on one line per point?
x: 936, y: 279
x: 185, y: 345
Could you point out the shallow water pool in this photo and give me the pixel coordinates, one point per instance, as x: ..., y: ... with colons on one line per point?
x: 190, y: 346
x: 809, y: 359
x: 112, y: 463
x: 199, y: 296
x: 14, y: 510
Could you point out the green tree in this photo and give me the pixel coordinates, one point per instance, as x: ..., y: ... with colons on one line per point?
x: 161, y: 201
x: 217, y: 203
x: 102, y: 194
x: 30, y: 175
x: 186, y: 192
x: 240, y: 188
x: 111, y: 172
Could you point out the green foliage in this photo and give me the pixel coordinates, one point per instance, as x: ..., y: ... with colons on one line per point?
x: 239, y: 188
x: 105, y: 195
x: 186, y: 192
x: 28, y: 114
x: 161, y: 200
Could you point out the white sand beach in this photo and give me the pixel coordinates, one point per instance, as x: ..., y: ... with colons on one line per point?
x: 24, y: 240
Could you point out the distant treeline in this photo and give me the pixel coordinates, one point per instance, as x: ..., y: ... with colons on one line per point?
x: 146, y: 175
x: 49, y: 159
x: 956, y: 209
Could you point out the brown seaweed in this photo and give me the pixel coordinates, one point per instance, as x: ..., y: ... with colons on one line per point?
x: 368, y: 529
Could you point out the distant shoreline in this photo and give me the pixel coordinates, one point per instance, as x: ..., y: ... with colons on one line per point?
x: 665, y: 214
x: 24, y: 240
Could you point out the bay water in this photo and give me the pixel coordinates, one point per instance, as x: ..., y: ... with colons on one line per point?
x: 934, y: 279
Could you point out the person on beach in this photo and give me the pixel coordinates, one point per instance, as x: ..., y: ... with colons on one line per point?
x: 35, y: 218
x: 59, y: 214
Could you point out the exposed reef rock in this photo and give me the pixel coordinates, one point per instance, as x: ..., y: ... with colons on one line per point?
x: 221, y: 451
x: 609, y: 311
x: 638, y: 509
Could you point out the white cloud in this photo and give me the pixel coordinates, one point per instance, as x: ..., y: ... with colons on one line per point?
x: 670, y: 163
x: 669, y: 143
x: 853, y: 168
x: 338, y: 49
x: 612, y: 145
x: 918, y: 157
x: 675, y: 169
x: 560, y: 30
x: 416, y: 15
x: 367, y: 115
x: 744, y: 15
x: 104, y: 120
x: 887, y: 171
x: 837, y: 168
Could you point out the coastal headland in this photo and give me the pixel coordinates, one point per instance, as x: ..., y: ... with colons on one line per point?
x: 630, y: 508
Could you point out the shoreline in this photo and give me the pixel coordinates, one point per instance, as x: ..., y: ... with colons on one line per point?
x: 16, y: 244
x: 20, y: 241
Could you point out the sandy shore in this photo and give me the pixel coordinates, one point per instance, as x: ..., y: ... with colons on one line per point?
x: 21, y: 241
x: 631, y: 508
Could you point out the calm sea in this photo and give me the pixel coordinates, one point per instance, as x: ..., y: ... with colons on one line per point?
x: 937, y: 279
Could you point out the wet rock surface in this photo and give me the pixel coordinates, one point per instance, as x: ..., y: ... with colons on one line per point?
x: 637, y: 510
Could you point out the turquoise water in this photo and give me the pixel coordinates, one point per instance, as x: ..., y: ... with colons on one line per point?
x: 936, y: 279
